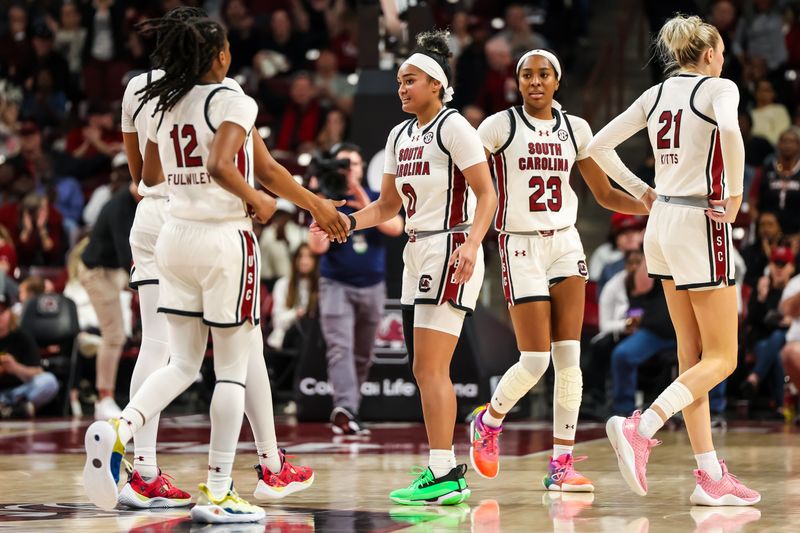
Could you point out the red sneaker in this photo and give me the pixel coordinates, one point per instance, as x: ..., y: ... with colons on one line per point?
x: 158, y: 492
x: 289, y: 480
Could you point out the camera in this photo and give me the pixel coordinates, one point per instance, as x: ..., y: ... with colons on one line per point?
x: 332, y: 181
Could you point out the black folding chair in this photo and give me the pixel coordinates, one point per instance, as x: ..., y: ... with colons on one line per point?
x: 52, y: 319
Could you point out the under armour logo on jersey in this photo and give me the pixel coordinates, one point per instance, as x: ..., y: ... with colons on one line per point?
x: 523, y: 253
x: 562, y: 135
x: 544, y: 133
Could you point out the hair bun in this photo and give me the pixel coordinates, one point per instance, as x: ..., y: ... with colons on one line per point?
x: 435, y: 42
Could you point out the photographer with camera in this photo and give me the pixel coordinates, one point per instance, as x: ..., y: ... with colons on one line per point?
x: 351, y: 288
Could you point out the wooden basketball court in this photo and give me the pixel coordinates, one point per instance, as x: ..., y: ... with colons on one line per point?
x: 41, y: 464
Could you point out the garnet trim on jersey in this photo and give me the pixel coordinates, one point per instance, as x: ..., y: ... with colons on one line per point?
x: 248, y: 283
x: 458, y: 190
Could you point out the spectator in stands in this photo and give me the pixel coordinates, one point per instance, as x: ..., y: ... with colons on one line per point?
x: 768, y: 235
x: 294, y: 297
x: 651, y: 333
x: 471, y: 65
x: 44, y: 104
x: 790, y: 308
x: 332, y: 87
x: 29, y: 288
x: 723, y: 15
x: 24, y: 386
x: 279, y: 241
x: 103, y: 50
x: 474, y: 115
x: 282, y: 39
x: 761, y: 35
x: 777, y: 189
x: 104, y: 272
x: 119, y: 177
x: 756, y: 148
x: 37, y: 227
x: 344, y: 41
x: 460, y: 38
x: 16, y: 50
x: 766, y: 328
x: 352, y: 291
x: 243, y: 36
x: 615, y: 325
x: 70, y: 38
x: 499, y: 89
x: 45, y: 57
x: 518, y: 33
x: 333, y: 130
x: 10, y: 101
x: 627, y: 232
x: 8, y: 255
x: 770, y: 118
x: 302, y: 116
x: 98, y: 138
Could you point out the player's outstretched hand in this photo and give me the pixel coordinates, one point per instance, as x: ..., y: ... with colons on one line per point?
x: 264, y: 208
x: 720, y: 211
x: 464, y: 258
x: 329, y: 220
x: 317, y: 231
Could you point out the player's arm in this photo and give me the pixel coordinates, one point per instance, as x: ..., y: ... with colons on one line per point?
x: 131, y: 143
x: 725, y: 102
x: 152, y: 174
x: 275, y: 178
x: 606, y: 195
x: 380, y: 211
x: 226, y: 143
x: 602, y: 148
x: 480, y: 181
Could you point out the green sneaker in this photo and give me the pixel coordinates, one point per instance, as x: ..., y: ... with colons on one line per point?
x: 449, y: 516
x: 450, y: 489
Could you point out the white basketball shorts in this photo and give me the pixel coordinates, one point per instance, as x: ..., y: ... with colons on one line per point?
x: 151, y: 213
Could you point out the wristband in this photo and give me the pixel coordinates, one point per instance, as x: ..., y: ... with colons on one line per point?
x: 352, y: 220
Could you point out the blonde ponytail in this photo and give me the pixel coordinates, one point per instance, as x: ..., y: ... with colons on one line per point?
x: 682, y: 41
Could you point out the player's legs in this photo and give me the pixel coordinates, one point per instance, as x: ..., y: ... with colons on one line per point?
x: 105, y: 443
x: 277, y: 478
x: 436, y: 332
x: 566, y: 308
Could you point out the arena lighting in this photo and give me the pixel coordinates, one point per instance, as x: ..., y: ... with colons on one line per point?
x: 240, y: 79
x: 264, y: 132
x: 791, y: 75
x: 352, y: 79
x: 312, y: 55
x: 738, y: 234
x: 498, y: 23
x: 453, y: 1
x: 304, y: 159
x: 2, y: 159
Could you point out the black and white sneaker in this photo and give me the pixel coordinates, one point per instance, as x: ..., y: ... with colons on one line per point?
x: 343, y: 422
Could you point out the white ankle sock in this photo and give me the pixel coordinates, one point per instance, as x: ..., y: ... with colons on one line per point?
x: 144, y: 462
x: 649, y: 423
x: 708, y: 461
x: 269, y: 457
x: 219, y: 472
x: 441, y: 462
x: 561, y: 449
x: 490, y: 420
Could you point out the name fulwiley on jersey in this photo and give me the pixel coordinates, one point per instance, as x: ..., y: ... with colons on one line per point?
x: 190, y: 178
x: 544, y: 163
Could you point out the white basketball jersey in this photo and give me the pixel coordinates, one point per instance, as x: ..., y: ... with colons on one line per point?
x: 428, y: 177
x: 184, y: 135
x: 683, y: 133
x: 532, y: 172
x: 137, y: 113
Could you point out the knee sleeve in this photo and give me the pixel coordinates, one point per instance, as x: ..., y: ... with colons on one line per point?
x: 568, y: 390
x: 519, y: 379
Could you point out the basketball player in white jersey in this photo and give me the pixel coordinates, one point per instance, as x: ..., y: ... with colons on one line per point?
x: 535, y: 147
x: 691, y: 119
x: 436, y: 169
x: 144, y: 484
x: 207, y: 258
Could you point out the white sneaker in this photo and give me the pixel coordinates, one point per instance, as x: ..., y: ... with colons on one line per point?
x: 106, y: 408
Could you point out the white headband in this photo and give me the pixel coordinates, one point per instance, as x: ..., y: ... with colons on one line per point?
x: 429, y: 66
x: 545, y: 54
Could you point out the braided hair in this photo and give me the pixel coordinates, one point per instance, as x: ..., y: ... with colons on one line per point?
x: 185, y: 50
x: 182, y: 13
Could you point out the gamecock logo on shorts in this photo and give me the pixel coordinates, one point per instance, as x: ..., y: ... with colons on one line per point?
x: 582, y: 270
x: 425, y: 283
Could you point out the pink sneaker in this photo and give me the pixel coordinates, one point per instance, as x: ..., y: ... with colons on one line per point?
x: 722, y: 519
x: 632, y: 449
x: 561, y: 475
x: 484, y: 453
x: 726, y: 491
